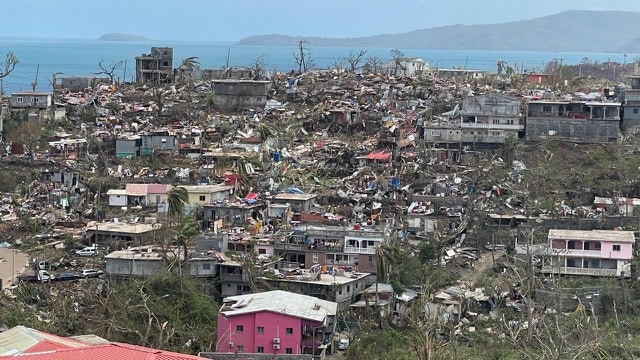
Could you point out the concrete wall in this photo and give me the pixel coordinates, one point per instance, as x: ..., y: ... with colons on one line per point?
x: 158, y: 142
x: 31, y: 100
x: 138, y: 267
x: 126, y: 147
x: 274, y: 325
x: 572, y: 129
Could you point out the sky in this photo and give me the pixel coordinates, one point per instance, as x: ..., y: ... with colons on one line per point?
x: 231, y: 20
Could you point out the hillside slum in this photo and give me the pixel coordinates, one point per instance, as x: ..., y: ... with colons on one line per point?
x: 300, y: 170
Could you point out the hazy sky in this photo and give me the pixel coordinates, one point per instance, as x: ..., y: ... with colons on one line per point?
x: 224, y: 20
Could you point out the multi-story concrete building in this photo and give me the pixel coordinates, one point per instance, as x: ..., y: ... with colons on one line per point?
x: 38, y: 105
x: 332, y: 246
x: 573, y: 120
x: 630, y: 99
x: 276, y: 323
x: 206, y: 194
x: 156, y: 67
x: 597, y: 252
x: 484, y: 120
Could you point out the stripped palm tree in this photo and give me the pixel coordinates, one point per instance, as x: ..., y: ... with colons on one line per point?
x: 186, y: 228
x: 387, y: 255
x: 177, y: 197
x: 190, y: 63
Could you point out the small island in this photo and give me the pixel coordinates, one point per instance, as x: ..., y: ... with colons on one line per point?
x: 122, y: 37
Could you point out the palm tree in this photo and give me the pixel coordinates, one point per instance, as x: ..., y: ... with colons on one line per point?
x: 177, y: 197
x: 191, y: 63
x: 185, y: 229
x: 187, y: 67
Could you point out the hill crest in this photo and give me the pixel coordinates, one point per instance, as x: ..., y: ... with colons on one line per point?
x: 568, y: 31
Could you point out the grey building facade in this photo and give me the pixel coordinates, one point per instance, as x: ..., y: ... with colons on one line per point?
x: 237, y: 94
x: 156, y: 67
x: 573, y: 120
x: 484, y: 120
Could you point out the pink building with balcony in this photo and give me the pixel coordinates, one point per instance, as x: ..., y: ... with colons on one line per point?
x: 597, y: 252
x: 276, y: 323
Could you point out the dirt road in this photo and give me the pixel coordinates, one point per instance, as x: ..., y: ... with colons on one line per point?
x: 471, y: 276
x: 12, y: 263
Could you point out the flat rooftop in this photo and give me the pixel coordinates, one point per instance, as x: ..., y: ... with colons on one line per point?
x: 594, y: 235
x: 206, y: 188
x: 279, y: 301
x: 325, y: 279
x: 112, y: 227
x: 293, y: 197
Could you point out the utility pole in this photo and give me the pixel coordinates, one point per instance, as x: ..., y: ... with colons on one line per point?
x: 124, y: 74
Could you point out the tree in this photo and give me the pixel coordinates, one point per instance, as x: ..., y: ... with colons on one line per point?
x: 162, y: 311
x: 303, y: 57
x: 177, y: 197
x: 28, y: 133
x: 504, y: 66
x: 185, y: 230
x: 190, y: 63
x: 397, y: 56
x: 373, y: 64
x: 257, y: 66
x: 9, y: 64
x: 54, y: 83
x: 187, y: 67
x: 108, y: 69
x: 353, y: 59
x: 337, y: 64
x: 159, y: 98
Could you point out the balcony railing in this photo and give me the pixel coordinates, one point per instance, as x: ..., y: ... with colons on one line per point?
x: 576, y: 252
x: 578, y: 271
x: 493, y: 126
x: 305, y: 247
x: 357, y: 250
x: 231, y: 277
x: 287, y: 246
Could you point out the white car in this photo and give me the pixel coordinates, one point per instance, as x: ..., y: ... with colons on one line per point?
x: 343, y: 344
x: 91, y: 273
x: 88, y: 251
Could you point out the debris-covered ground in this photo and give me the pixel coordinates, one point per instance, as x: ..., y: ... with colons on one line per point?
x: 324, y: 148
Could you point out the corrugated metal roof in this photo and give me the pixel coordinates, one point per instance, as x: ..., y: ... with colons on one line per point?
x: 600, y: 235
x: 107, y: 352
x: 21, y: 338
x: 136, y: 189
x: 282, y: 302
x: 157, y: 188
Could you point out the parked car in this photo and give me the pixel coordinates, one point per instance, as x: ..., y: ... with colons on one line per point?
x: 40, y: 276
x: 343, y: 344
x: 88, y: 251
x: 91, y: 273
x: 66, y: 276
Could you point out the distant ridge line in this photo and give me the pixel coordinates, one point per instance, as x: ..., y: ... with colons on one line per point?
x: 568, y: 31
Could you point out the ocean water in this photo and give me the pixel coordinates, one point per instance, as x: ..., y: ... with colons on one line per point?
x: 75, y: 57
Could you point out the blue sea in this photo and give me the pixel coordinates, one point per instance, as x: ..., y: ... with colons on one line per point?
x: 76, y: 57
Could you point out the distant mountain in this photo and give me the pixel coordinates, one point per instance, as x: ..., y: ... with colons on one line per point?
x: 569, y: 31
x: 121, y: 37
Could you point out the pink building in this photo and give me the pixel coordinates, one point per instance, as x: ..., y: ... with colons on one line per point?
x: 275, y: 322
x: 597, y: 252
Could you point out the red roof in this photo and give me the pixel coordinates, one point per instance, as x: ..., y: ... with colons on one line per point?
x: 50, y: 345
x: 146, y: 189
x: 381, y: 156
x: 106, y: 352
